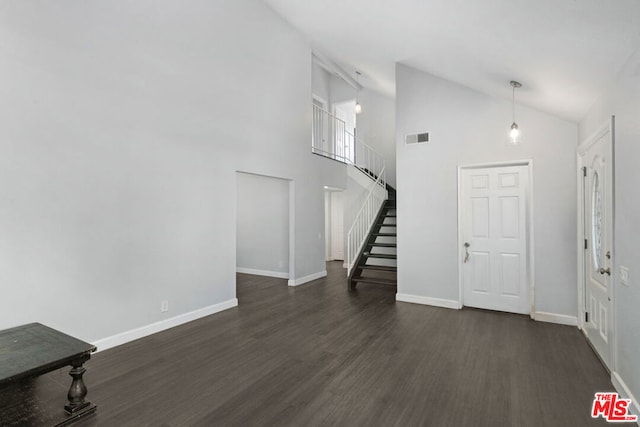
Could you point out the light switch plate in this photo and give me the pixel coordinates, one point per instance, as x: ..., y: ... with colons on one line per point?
x: 624, y: 275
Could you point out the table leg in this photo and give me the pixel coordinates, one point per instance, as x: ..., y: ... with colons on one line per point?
x: 78, y: 390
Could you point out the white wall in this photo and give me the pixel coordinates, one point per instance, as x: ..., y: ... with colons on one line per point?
x: 623, y: 101
x: 341, y: 91
x: 468, y: 127
x: 262, y: 225
x: 330, y: 87
x: 122, y: 126
x: 320, y: 83
x: 376, y: 126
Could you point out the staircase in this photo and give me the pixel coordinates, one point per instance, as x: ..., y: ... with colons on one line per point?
x: 377, y: 262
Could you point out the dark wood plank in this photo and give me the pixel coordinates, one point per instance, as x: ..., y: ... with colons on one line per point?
x: 318, y: 355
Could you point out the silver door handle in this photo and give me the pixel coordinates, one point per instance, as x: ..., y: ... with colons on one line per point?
x: 607, y: 271
x: 466, y: 252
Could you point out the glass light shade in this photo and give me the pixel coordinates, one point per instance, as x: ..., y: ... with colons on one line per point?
x: 358, y: 108
x: 514, y: 134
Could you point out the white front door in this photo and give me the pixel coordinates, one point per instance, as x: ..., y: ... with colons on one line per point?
x: 597, y: 190
x: 493, y: 218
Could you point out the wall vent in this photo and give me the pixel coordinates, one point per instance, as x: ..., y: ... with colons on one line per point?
x: 417, y: 138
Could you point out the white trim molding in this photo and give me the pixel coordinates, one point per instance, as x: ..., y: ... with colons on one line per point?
x: 143, y: 331
x: 302, y: 280
x: 625, y: 393
x: 560, y: 319
x: 276, y: 274
x: 435, y: 302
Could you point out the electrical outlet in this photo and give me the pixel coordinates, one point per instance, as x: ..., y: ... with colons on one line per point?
x: 624, y: 275
x: 164, y: 306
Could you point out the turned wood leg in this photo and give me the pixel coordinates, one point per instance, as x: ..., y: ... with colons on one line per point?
x: 77, y: 391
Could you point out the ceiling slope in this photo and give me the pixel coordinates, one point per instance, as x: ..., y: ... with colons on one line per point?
x: 565, y: 52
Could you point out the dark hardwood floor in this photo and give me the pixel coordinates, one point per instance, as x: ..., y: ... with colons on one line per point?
x: 319, y: 355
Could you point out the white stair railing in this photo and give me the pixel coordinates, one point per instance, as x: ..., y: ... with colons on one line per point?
x: 330, y: 137
x: 368, y: 160
x: 363, y: 222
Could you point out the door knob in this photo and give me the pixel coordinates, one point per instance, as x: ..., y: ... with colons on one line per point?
x: 466, y: 252
x: 605, y: 271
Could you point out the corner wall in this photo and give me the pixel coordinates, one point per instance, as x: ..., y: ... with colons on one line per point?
x: 467, y: 127
x: 122, y: 128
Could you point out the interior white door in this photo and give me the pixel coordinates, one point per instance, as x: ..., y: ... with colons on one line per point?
x: 320, y: 126
x: 493, y: 213
x: 598, y: 210
x: 337, y: 226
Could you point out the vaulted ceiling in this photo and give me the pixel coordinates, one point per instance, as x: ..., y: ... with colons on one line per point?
x: 565, y: 52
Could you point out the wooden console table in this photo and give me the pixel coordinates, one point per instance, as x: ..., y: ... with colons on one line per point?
x: 34, y: 349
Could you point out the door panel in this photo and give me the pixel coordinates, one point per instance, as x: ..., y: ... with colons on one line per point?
x: 493, y: 221
x: 510, y: 277
x: 597, y: 213
x: 481, y: 272
x: 510, y: 216
x: 480, y: 217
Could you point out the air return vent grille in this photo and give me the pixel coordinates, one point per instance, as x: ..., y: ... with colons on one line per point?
x: 417, y: 138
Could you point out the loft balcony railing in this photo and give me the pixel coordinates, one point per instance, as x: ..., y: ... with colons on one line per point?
x: 331, y: 138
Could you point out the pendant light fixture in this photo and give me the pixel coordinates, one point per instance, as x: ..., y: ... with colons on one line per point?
x: 514, y: 133
x: 358, y: 107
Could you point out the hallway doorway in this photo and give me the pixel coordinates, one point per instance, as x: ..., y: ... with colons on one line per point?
x: 334, y: 224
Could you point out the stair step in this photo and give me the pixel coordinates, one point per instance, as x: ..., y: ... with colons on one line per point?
x: 384, y: 234
x: 385, y: 256
x: 382, y: 224
x: 389, y: 216
x: 378, y: 267
x: 375, y: 280
x: 383, y: 245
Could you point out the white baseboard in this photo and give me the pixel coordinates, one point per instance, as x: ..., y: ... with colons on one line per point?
x: 436, y: 302
x: 276, y: 274
x: 299, y: 281
x: 143, y: 331
x: 561, y: 319
x: 625, y: 393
